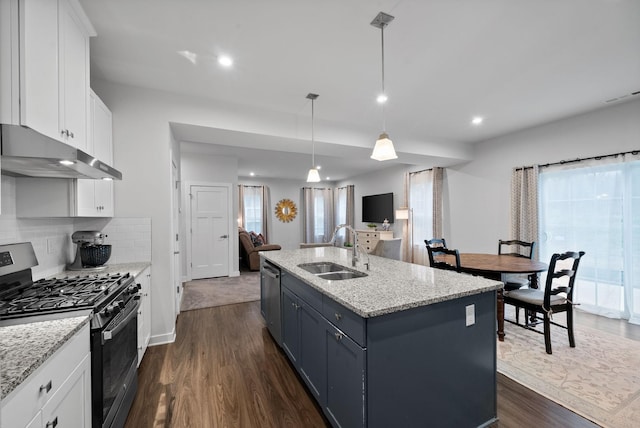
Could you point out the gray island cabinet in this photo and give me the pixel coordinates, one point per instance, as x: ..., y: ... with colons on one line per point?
x: 406, y: 345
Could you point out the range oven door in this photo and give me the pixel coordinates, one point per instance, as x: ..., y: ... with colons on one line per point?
x: 114, y: 358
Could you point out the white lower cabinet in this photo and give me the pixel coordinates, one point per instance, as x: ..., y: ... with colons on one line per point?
x: 144, y: 313
x: 58, y: 393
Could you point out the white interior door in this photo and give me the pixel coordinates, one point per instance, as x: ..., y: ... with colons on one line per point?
x: 209, y: 231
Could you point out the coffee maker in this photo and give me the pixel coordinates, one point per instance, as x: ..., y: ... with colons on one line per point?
x: 91, y: 253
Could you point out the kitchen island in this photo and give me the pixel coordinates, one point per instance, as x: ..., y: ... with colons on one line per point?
x: 406, y: 345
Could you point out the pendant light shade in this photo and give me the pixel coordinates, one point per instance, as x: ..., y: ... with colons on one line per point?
x: 383, y: 149
x: 313, y: 176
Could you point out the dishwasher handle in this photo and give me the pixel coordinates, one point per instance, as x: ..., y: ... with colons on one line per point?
x: 272, y: 272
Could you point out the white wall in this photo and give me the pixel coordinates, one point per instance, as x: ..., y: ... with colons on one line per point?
x: 477, y: 194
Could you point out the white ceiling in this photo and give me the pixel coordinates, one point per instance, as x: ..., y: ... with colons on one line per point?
x: 517, y: 63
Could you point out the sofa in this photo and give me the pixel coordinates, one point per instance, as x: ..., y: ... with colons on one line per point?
x: 249, y: 251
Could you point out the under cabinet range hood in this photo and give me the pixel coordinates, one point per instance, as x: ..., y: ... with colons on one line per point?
x: 27, y: 153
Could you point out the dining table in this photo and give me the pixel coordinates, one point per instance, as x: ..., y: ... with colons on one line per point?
x: 495, y: 266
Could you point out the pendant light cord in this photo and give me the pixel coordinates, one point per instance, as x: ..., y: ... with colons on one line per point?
x: 313, y: 141
x: 384, y: 123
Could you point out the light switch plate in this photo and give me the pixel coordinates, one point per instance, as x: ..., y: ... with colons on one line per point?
x: 470, y: 314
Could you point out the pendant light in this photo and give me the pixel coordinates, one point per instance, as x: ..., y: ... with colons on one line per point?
x: 383, y: 149
x: 313, y: 176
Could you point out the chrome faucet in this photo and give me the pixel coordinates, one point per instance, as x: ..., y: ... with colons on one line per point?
x: 354, y: 255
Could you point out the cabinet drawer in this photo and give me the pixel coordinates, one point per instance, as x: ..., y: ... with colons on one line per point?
x: 348, y: 322
x: 302, y: 290
x: 19, y: 407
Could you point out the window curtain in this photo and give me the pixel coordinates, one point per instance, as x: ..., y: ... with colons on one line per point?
x: 253, y: 204
x: 318, y: 214
x: 425, y: 211
x: 345, y: 214
x: 524, y: 205
x: 594, y: 206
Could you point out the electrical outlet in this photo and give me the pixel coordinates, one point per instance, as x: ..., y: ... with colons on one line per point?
x: 51, y: 247
x: 470, y: 314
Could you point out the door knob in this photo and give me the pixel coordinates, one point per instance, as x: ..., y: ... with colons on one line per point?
x: 224, y: 236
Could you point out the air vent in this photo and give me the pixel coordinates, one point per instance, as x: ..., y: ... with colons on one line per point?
x: 612, y: 100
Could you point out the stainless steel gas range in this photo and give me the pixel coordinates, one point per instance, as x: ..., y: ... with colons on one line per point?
x: 114, y: 300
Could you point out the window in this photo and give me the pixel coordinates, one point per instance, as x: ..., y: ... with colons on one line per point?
x: 251, y: 204
x: 596, y: 208
x: 421, y: 204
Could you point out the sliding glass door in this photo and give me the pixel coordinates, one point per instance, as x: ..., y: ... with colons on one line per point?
x: 596, y: 208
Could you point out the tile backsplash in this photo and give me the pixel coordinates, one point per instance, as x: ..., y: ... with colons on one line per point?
x: 51, y: 237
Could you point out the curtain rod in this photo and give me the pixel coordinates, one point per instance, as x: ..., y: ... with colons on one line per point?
x: 245, y: 185
x: 319, y: 188
x: 418, y: 172
x: 564, y: 162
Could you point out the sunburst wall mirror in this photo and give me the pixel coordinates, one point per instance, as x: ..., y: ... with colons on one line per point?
x: 286, y: 210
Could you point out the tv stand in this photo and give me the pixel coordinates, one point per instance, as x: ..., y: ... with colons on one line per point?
x: 369, y: 238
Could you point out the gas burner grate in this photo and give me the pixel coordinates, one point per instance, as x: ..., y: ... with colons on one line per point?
x: 48, y: 295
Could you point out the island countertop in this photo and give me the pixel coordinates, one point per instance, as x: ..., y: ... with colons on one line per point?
x: 390, y: 285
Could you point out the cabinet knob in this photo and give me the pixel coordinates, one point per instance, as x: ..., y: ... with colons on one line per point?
x: 46, y: 388
x: 339, y: 336
x: 338, y: 316
x: 52, y: 424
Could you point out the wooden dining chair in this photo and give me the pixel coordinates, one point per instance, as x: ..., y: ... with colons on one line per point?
x: 516, y: 248
x: 435, y: 242
x: 556, y: 297
x: 435, y: 258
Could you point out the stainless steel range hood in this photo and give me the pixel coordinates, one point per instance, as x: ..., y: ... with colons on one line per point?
x: 27, y: 153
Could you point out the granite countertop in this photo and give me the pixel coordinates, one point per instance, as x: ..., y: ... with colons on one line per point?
x: 24, y: 347
x: 390, y: 286
x: 26, y: 343
x: 133, y: 268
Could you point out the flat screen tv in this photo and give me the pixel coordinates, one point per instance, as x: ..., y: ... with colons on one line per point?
x: 375, y: 208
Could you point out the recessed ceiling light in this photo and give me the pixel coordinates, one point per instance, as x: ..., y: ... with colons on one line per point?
x: 382, y: 98
x: 252, y: 174
x: 66, y: 162
x: 225, y: 61
x: 477, y: 120
x: 328, y: 178
x: 318, y: 167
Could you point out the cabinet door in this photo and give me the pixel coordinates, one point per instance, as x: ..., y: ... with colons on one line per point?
x: 39, y: 74
x: 144, y: 313
x: 345, y: 380
x: 74, y: 78
x: 290, y: 331
x: 70, y: 406
x: 312, y: 362
x: 85, y: 198
x: 101, y: 131
x: 104, y: 197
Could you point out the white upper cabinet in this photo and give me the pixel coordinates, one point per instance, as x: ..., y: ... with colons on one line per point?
x: 74, y: 75
x: 44, y: 73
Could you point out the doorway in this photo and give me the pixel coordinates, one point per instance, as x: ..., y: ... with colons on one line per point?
x: 209, y: 218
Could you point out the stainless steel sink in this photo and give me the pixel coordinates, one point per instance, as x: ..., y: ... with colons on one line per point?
x: 322, y: 267
x: 331, y: 271
x: 337, y: 276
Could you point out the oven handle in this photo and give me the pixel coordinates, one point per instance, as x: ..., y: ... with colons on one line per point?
x: 133, y: 312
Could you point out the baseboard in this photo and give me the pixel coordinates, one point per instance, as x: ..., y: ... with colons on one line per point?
x: 163, y: 339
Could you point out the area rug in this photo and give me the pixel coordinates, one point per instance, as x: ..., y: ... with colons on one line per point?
x: 206, y: 293
x: 599, y: 379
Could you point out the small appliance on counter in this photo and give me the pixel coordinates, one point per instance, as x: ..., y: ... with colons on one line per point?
x: 91, y: 253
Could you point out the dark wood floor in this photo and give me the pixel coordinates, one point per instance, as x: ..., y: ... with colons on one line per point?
x: 224, y: 370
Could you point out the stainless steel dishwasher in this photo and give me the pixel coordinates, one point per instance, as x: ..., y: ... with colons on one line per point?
x: 270, y: 277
